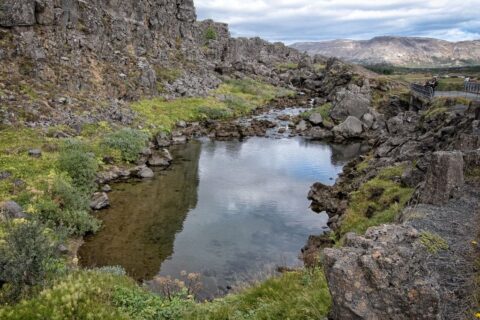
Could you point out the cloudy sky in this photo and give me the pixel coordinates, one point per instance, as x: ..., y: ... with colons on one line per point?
x: 309, y: 20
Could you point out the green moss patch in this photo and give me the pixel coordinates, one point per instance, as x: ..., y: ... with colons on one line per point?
x: 433, y: 242
x: 376, y: 202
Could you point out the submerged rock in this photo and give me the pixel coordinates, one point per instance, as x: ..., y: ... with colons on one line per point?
x: 106, y: 188
x: 143, y: 172
x: 99, y: 201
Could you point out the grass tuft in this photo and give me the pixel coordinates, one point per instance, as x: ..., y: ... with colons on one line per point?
x: 433, y: 242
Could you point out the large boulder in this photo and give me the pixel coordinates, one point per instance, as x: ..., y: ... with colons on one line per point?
x: 382, y: 276
x: 353, y: 101
x: 445, y: 178
x: 350, y: 128
x: 15, y: 13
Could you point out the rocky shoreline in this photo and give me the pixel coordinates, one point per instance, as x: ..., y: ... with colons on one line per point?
x: 412, y: 201
x: 424, y: 266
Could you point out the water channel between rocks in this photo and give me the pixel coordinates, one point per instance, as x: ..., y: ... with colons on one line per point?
x: 231, y: 211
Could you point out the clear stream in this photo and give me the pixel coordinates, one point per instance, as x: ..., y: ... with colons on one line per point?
x: 231, y: 211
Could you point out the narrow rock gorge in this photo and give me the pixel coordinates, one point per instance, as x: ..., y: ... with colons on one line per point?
x: 93, y: 93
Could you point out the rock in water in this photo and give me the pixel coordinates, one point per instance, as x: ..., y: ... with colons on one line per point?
x: 160, y: 159
x: 350, y: 128
x: 302, y: 126
x: 324, y: 198
x: 143, y: 172
x: 106, y: 188
x: 99, y: 201
x: 444, y: 178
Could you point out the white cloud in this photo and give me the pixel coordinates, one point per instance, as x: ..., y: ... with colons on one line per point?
x: 292, y: 20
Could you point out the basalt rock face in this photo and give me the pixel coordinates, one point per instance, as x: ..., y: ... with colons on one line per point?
x: 382, y: 276
x: 424, y: 266
x: 78, y: 55
x: 444, y: 178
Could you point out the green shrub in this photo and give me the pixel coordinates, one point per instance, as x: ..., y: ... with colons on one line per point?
x: 210, y: 34
x: 79, y: 164
x: 214, y: 113
x: 73, y: 222
x: 67, y: 208
x: 68, y: 196
x: 143, y: 305
x: 27, y: 259
x: 129, y: 141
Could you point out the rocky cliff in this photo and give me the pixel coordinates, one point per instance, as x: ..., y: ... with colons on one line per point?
x: 398, y: 51
x: 60, y: 58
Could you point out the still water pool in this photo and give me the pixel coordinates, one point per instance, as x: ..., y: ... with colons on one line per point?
x: 230, y: 211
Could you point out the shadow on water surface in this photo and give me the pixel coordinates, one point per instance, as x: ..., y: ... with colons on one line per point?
x: 227, y: 210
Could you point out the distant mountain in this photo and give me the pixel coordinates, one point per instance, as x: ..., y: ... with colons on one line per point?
x: 398, y: 51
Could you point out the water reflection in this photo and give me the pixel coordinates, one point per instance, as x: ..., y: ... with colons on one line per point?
x: 251, y: 214
x: 139, y: 229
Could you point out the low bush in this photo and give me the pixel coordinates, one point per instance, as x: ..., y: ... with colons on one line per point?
x: 210, y: 34
x: 214, y: 113
x: 129, y: 141
x: 66, y: 208
x: 81, y: 165
x: 27, y: 259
